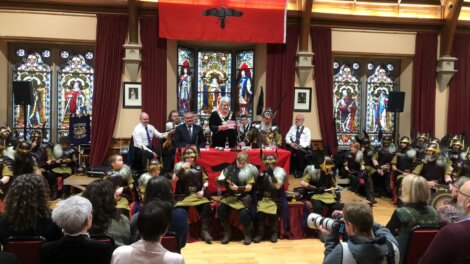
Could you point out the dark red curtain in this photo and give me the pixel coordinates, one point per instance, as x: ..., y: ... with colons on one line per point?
x: 323, y: 75
x: 424, y: 83
x: 110, y: 36
x: 458, y: 115
x: 153, y: 72
x: 280, y: 78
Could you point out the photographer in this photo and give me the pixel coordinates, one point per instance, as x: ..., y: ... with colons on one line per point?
x: 367, y: 243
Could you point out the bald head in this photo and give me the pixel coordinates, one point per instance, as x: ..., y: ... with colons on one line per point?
x: 463, y: 198
x: 144, y: 118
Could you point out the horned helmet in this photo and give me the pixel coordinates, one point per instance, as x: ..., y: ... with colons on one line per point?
x: 456, y: 143
x: 405, y: 142
x: 24, y: 148
x: 328, y: 165
x: 270, y: 161
x: 386, y: 141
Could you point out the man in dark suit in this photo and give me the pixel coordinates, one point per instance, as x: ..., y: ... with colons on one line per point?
x: 74, y: 216
x: 189, y: 133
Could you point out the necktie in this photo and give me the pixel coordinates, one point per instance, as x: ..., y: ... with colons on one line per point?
x: 149, y: 139
x: 297, y: 136
x: 190, y: 130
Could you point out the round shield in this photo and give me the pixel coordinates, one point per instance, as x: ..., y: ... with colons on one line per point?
x: 440, y: 198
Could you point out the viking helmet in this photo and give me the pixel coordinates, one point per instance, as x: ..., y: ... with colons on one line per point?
x: 268, y: 113
x: 328, y: 165
x: 405, y: 140
x: 189, y: 153
x: 269, y: 160
x: 24, y: 147
x: 434, y: 148
x: 154, y: 164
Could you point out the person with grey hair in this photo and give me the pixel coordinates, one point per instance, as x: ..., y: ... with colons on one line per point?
x: 450, y: 212
x: 223, y: 125
x: 74, y: 216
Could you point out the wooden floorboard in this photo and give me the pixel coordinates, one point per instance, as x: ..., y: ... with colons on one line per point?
x: 303, y: 251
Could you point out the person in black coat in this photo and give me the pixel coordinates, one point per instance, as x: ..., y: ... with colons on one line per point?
x: 222, y: 124
x: 189, y: 133
x: 74, y: 216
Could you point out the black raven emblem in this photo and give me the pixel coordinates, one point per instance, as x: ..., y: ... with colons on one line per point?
x: 222, y: 13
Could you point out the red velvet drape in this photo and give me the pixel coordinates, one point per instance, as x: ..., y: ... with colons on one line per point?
x: 280, y: 78
x: 323, y: 61
x: 153, y: 72
x: 424, y: 83
x: 458, y: 115
x: 110, y: 36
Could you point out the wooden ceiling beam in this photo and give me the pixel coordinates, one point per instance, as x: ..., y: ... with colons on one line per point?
x: 305, y: 25
x: 451, y: 19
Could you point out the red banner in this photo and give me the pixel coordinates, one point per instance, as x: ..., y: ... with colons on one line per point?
x: 261, y: 21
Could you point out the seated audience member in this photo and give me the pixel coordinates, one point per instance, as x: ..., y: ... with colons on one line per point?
x: 160, y: 188
x: 121, y: 177
x: 451, y: 212
x: 152, y: 223
x: 450, y: 245
x: 367, y: 243
x: 321, y: 183
x: 8, y: 258
x: 106, y: 218
x: 415, y: 210
x: 27, y: 210
x: 74, y: 216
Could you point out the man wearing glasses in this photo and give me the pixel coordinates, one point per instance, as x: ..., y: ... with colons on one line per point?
x: 451, y: 244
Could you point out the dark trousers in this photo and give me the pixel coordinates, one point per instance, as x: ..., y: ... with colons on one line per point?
x: 168, y: 157
x: 319, y: 206
x: 224, y: 212
x: 298, y: 161
x: 141, y: 159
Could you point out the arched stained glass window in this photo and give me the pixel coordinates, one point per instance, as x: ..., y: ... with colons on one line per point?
x: 214, y: 80
x: 75, y: 90
x: 346, y: 103
x: 244, y: 93
x: 185, y: 79
x: 34, y: 69
x: 379, y: 86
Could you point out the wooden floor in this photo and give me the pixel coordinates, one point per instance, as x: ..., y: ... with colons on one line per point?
x: 284, y: 251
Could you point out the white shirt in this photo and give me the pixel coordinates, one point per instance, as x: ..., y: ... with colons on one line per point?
x: 140, y: 136
x: 305, y: 137
x: 143, y: 252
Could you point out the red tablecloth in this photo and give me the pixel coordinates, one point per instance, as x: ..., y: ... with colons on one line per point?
x: 210, y: 158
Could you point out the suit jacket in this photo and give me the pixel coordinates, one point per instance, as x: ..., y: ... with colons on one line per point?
x: 182, y: 136
x: 76, y: 249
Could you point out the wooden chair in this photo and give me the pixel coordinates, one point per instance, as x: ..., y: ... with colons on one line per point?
x: 419, y: 241
x: 25, y: 248
x: 104, y: 238
x: 170, y: 242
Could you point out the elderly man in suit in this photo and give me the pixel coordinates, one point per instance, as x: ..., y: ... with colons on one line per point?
x: 189, y: 133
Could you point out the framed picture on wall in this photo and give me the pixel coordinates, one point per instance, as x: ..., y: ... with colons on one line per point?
x: 302, y: 99
x: 132, y: 95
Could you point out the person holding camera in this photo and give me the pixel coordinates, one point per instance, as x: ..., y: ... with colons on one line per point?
x: 321, y: 187
x: 268, y: 187
x: 367, y: 242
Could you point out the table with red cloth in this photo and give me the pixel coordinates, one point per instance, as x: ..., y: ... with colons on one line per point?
x: 210, y: 158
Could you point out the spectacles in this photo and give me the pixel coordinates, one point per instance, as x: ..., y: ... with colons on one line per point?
x: 466, y: 195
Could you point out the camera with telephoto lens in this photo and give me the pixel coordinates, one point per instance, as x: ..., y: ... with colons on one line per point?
x: 335, y: 226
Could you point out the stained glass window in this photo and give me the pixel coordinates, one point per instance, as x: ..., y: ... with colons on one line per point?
x: 360, y: 98
x: 346, y: 103
x: 75, y: 90
x: 214, y: 80
x: 32, y: 68
x: 185, y: 79
x: 379, y: 85
x: 244, y: 93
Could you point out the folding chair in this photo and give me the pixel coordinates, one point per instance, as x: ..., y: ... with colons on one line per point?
x: 25, y: 248
x: 170, y: 242
x: 419, y: 241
